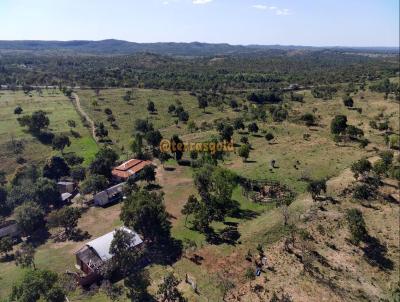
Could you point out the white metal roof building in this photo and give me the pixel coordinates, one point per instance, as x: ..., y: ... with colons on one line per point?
x: 101, y: 245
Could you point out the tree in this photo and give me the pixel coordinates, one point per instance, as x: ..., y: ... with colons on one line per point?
x: 269, y: 136
x: 234, y: 104
x: 143, y: 126
x: 238, y: 124
x: 66, y: 218
x: 55, y: 168
x: 108, y: 111
x: 361, y: 167
x: 145, y: 212
x: 103, y: 162
x: 308, y: 119
x: 176, y: 141
x: 357, y: 226
x: 35, y: 122
x: 363, y: 192
x: 183, y: 116
x: 124, y: 256
x: 47, y: 193
x: 168, y: 291
x: 137, y: 145
x: 339, y: 124
x: 203, y: 103
x: 387, y: 157
x: 348, y: 101
x: 316, y: 187
x: 137, y: 284
x: 244, y: 140
x: 151, y: 107
x: 4, y: 207
x: 148, y: 173
x: 6, y: 246
x: 38, y: 285
x: 29, y: 218
x: 60, y: 142
x: 253, y: 127
x: 153, y: 138
x: 18, y: 110
x: 244, y: 152
x: 226, y: 132
x: 191, y: 126
x: 78, y: 173
x: 25, y: 256
x: 191, y: 206
x: 101, y: 130
x: 94, y: 183
x: 171, y: 108
x: 353, y: 132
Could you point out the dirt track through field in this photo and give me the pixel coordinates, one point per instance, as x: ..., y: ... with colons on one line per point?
x: 82, y: 112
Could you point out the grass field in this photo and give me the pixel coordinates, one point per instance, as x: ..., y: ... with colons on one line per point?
x: 319, y: 157
x: 59, y: 110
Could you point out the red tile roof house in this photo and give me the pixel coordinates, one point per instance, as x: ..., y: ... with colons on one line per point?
x: 95, y: 253
x: 128, y: 169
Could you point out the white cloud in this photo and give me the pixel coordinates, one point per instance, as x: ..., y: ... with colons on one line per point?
x: 201, y: 1
x: 278, y: 11
x: 260, y: 6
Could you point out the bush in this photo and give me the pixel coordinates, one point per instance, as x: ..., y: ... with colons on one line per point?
x: 363, y: 192
x: 357, y: 226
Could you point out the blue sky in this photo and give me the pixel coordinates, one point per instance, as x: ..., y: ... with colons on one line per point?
x: 286, y: 22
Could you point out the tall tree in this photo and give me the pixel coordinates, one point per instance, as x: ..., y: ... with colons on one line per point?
x: 168, y: 290
x: 29, y: 217
x: 25, y: 256
x: 60, y: 142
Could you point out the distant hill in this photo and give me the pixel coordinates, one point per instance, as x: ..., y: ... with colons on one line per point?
x: 120, y: 47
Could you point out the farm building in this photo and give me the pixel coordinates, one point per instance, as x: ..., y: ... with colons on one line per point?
x: 95, y: 253
x: 65, y: 187
x: 129, y: 169
x: 9, y: 228
x: 109, y: 195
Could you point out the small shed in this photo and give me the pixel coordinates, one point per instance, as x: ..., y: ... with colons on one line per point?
x: 110, y: 195
x: 9, y: 228
x: 65, y: 187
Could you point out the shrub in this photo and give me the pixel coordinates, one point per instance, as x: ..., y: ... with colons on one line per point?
x: 357, y: 226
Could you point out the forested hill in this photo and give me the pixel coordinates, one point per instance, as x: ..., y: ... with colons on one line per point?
x: 114, y: 47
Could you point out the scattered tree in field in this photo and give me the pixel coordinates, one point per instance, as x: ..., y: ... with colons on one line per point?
x: 25, y: 256
x: 144, y: 212
x: 18, y: 110
x: 71, y: 123
x: 60, y: 142
x: 29, y: 217
x: 191, y: 206
x: 6, y: 246
x: 148, y: 173
x: 357, y: 226
x: 309, y: 119
x: 153, y: 138
x: 244, y: 140
x: 364, y: 192
x: 151, y: 107
x: 101, y: 130
x: 137, y: 284
x: 66, y: 218
x: 339, y: 124
x: 108, y: 111
x: 38, y: 285
x: 168, y: 290
x: 253, y: 127
x: 316, y: 187
x: 203, y: 103
x: 55, y: 168
x: 353, y: 132
x: 136, y: 145
x: 143, y: 126
x: 191, y: 126
x: 183, y: 116
x: 269, y: 136
x: 387, y: 157
x: 94, y: 183
x: 234, y: 104
x: 244, y: 152
x: 103, y: 162
x: 35, y: 122
x: 171, y: 109
x: 348, y: 101
x: 238, y: 124
x: 361, y: 167
x: 226, y: 132
x: 176, y: 141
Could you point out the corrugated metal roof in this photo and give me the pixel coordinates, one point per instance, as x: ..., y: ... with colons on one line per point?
x: 130, y: 168
x: 101, y: 245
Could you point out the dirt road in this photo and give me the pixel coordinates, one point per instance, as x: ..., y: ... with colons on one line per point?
x: 82, y: 112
